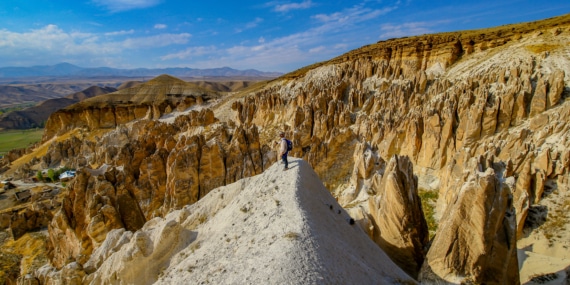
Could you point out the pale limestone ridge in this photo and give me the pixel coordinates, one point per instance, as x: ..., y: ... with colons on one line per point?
x: 499, y: 96
x: 279, y: 227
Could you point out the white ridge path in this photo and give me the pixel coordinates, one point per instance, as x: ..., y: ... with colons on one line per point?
x: 279, y: 227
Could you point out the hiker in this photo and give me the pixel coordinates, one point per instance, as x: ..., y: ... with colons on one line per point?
x: 284, y: 148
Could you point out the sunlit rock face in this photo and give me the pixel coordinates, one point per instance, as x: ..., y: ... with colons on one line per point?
x: 156, y: 168
x: 435, y: 102
x: 151, y: 100
x: 476, y: 238
x: 401, y: 230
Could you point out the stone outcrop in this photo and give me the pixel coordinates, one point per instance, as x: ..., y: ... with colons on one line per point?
x: 366, y: 175
x: 32, y: 216
x: 441, y: 101
x: 279, y: 221
x: 28, y: 219
x: 476, y: 238
x: 12, y: 156
x: 398, y: 103
x: 154, y: 172
x: 70, y: 274
x: 396, y: 211
x: 151, y: 100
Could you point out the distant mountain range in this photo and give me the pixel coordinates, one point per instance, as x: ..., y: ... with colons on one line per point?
x: 36, y: 116
x: 70, y: 70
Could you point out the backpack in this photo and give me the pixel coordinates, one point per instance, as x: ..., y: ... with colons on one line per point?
x: 289, y: 145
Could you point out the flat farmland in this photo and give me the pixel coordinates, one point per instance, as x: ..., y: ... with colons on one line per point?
x: 11, y: 139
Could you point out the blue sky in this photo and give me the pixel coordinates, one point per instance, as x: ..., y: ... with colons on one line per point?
x: 264, y: 35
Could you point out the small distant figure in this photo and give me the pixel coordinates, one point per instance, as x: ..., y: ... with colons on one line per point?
x: 285, y: 146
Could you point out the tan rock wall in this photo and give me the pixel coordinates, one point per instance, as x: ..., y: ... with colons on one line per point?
x: 476, y: 238
x: 157, y: 167
x: 396, y: 211
x: 440, y: 100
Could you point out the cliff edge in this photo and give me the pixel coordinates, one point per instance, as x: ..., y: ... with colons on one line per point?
x: 279, y: 227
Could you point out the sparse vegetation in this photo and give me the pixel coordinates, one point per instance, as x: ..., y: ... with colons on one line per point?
x: 202, y: 218
x: 195, y: 246
x: 292, y: 236
x: 190, y: 269
x: 24, y: 255
x: 40, y: 176
x: 17, y: 107
x: 52, y: 175
x: 13, y: 139
x: 41, y: 150
x: 540, y: 48
x: 556, y: 221
x: 429, y: 198
x: 9, y: 267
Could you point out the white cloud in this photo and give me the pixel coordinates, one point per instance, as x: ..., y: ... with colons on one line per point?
x: 156, y: 41
x: 51, y: 43
x: 120, y: 33
x: 191, y: 52
x: 330, y: 34
x: 243, y: 57
x: 317, y: 49
x: 340, y: 46
x: 270, y: 56
x: 258, y: 48
x: 49, y: 37
x: 356, y: 14
x: 317, y: 43
x: 407, y: 29
x: 254, y: 23
x: 125, y: 5
x: 250, y: 25
x: 274, y: 54
x: 293, y: 6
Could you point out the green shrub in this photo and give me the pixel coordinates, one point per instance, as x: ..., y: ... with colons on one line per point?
x: 40, y: 176
x: 51, y: 175
x: 429, y: 199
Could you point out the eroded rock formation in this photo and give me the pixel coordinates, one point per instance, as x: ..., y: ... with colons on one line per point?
x: 440, y: 101
x: 476, y: 238
x: 396, y: 210
x: 157, y: 97
x: 157, y: 168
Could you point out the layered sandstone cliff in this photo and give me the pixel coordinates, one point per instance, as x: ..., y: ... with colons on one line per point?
x: 438, y: 102
x: 153, y: 99
x: 268, y: 229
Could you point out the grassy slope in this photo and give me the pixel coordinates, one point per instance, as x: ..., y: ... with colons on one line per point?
x: 18, y: 139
